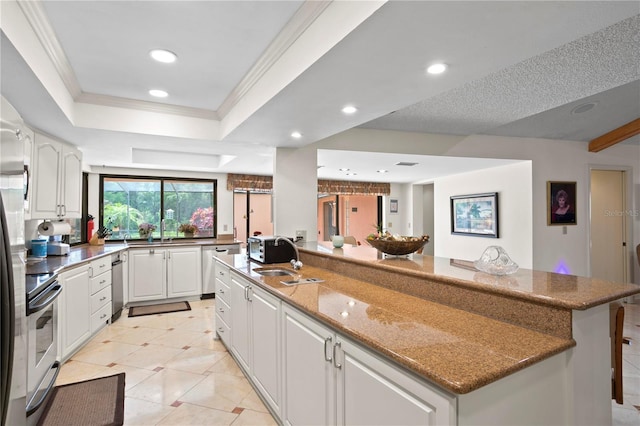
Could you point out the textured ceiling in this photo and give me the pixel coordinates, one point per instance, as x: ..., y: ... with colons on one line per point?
x: 250, y: 72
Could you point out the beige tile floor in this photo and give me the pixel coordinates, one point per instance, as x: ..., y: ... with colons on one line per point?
x: 629, y: 412
x: 176, y: 374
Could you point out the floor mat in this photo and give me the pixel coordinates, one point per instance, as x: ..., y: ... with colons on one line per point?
x: 91, y: 402
x: 162, y: 308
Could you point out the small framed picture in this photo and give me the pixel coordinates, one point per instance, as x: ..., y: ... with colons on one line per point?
x: 475, y: 215
x: 393, y: 206
x: 561, y: 203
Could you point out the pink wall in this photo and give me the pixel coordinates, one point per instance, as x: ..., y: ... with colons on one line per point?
x: 260, y: 218
x: 360, y: 222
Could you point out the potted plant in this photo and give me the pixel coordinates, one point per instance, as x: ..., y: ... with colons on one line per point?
x: 146, y: 230
x: 189, y: 229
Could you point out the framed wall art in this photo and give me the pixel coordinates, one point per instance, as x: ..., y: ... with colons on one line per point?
x: 561, y: 203
x: 475, y: 215
x: 393, y: 206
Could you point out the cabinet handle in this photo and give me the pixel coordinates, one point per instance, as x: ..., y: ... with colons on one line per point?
x: 221, y: 291
x: 103, y: 281
x: 326, y: 341
x: 102, y: 266
x: 335, y: 363
x: 152, y: 251
x: 103, y: 316
x: 91, y: 271
x: 246, y: 293
x: 249, y: 291
x: 220, y: 330
x: 64, y: 210
x: 103, y: 298
x: 220, y: 310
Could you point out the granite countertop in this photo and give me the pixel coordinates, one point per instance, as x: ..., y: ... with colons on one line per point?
x: 548, y: 288
x: 84, y: 253
x: 453, y: 348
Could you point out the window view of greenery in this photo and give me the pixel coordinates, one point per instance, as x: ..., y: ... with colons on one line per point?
x: 135, y: 207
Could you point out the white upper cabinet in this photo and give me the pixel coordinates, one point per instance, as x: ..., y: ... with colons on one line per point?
x: 57, y: 180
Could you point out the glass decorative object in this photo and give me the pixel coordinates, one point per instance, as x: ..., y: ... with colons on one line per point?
x: 496, y: 261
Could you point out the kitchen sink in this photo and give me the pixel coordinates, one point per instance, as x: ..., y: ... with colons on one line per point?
x: 302, y: 281
x: 274, y: 272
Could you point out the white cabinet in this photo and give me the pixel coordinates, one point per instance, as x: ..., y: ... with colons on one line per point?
x: 75, y: 309
x: 255, y: 338
x: 57, y: 179
x: 85, y: 303
x: 349, y: 385
x: 223, y: 302
x: 27, y: 138
x: 164, y: 273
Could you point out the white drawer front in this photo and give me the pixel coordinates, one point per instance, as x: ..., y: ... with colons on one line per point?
x: 223, y: 310
x: 223, y: 330
x: 99, y: 282
x: 100, y: 266
x: 100, y: 299
x: 100, y: 318
x: 223, y: 291
x: 222, y: 273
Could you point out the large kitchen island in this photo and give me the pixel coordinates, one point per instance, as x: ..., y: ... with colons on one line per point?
x: 418, y: 340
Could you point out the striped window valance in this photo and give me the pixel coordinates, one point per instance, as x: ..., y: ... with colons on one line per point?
x: 249, y: 183
x: 339, y: 187
x: 343, y: 187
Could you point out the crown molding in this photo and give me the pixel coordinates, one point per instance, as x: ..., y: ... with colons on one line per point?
x: 34, y: 13
x: 299, y: 22
x: 117, y: 102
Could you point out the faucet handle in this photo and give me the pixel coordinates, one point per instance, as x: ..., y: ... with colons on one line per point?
x: 296, y: 264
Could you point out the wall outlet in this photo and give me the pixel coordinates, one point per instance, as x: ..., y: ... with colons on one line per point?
x: 225, y: 227
x: 301, y: 235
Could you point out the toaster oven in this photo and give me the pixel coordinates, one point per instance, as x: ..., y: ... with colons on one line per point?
x: 263, y: 249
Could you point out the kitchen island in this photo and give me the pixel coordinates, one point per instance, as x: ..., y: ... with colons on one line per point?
x: 532, y: 347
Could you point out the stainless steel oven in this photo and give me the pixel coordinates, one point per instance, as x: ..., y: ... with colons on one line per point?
x: 42, y: 341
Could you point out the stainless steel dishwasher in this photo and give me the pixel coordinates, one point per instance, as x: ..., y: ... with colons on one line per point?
x: 117, y: 292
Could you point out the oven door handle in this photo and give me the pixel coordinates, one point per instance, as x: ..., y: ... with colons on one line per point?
x: 32, y: 408
x: 54, y: 292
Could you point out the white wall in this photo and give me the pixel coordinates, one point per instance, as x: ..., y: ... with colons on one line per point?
x: 295, y: 192
x: 513, y: 185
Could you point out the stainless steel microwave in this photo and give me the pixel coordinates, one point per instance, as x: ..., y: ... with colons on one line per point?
x: 263, y: 249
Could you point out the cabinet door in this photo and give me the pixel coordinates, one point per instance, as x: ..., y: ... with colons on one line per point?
x: 265, y: 326
x: 372, y: 391
x: 184, y: 272
x: 75, y: 303
x: 47, y: 159
x: 309, y: 375
x: 240, y: 320
x: 28, y: 153
x: 71, y: 183
x: 148, y: 275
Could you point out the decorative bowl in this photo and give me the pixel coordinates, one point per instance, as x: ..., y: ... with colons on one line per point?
x: 398, y: 248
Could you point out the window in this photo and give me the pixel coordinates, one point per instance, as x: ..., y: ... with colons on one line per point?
x: 128, y: 203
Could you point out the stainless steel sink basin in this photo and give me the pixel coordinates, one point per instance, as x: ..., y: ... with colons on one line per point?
x: 274, y: 272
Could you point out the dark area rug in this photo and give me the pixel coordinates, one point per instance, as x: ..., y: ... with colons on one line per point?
x: 162, y: 308
x: 89, y: 403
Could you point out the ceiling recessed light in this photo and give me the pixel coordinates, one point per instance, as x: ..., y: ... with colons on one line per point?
x: 163, y: 56
x: 583, y: 108
x: 158, y: 93
x: 296, y: 135
x: 382, y: 171
x: 436, y: 69
x: 349, y: 109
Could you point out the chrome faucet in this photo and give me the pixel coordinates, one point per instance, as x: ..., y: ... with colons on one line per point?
x: 126, y: 235
x: 296, y: 263
x: 162, y: 228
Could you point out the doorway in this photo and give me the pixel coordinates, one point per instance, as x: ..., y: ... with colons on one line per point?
x: 608, y: 225
x: 251, y: 214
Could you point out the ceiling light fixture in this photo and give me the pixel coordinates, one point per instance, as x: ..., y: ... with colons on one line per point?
x: 296, y: 135
x: 158, y: 93
x: 583, y: 108
x: 349, y: 109
x: 437, y: 68
x: 382, y: 171
x: 164, y: 56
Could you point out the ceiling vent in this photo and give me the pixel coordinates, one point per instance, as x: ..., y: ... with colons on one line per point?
x: 405, y: 163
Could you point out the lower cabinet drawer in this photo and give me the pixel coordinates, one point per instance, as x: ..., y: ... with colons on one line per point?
x: 99, y: 282
x: 99, y: 299
x: 223, y: 310
x: 223, y: 331
x: 101, y: 317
